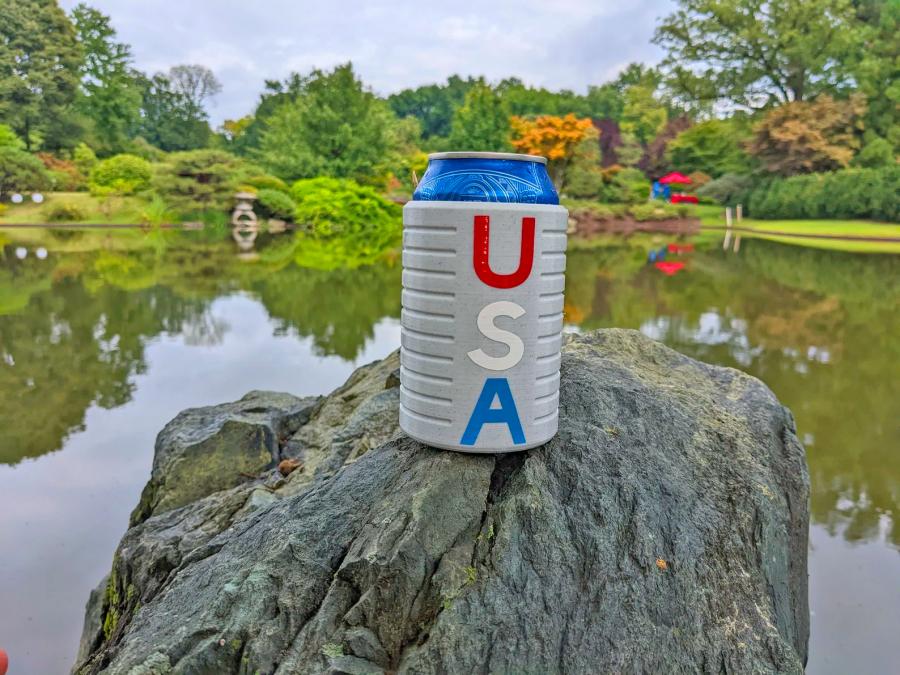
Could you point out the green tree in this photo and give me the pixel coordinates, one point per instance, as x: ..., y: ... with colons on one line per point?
x: 643, y: 116
x: 110, y: 88
x: 8, y: 138
x: 169, y: 119
x: 482, y: 123
x: 877, y: 70
x: 20, y: 171
x: 434, y: 104
x: 755, y: 53
x: 713, y: 147
x: 199, y: 181
x: 39, y: 64
x: 333, y: 127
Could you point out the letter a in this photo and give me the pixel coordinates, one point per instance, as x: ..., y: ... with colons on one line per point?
x: 484, y: 414
x: 482, y: 248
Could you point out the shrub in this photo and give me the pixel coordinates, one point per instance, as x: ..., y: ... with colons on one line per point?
x: 84, y: 158
x: 64, y: 174
x: 275, y: 204
x: 850, y: 193
x: 266, y: 182
x: 20, y: 172
x: 347, y: 224
x: 9, y: 139
x: 876, y: 153
x: 625, y: 186
x: 199, y: 180
x: 120, y: 175
x: 729, y: 190
x: 659, y: 210
x: 63, y: 212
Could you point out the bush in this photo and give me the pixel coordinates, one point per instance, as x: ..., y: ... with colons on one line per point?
x: 729, y: 190
x: 9, y: 139
x: 63, y: 212
x: 120, y: 175
x: 266, y: 182
x: 347, y: 224
x: 84, y: 158
x: 275, y: 204
x: 876, y: 153
x: 850, y: 193
x: 199, y: 180
x: 624, y: 186
x: 64, y: 174
x: 21, y: 172
x: 659, y: 210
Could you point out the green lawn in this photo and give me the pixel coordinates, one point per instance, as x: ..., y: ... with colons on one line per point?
x: 118, y: 211
x: 715, y: 216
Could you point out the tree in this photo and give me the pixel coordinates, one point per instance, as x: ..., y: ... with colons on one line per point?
x: 334, y: 127
x: 196, y: 84
x: 20, y: 172
x: 8, y: 138
x: 523, y: 100
x: 39, y: 62
x: 434, y: 104
x: 169, y: 120
x: 643, y: 117
x: 755, y: 53
x: 199, y: 181
x: 807, y: 136
x: 877, y: 69
x: 110, y: 88
x: 482, y: 123
x: 556, y: 138
x: 713, y: 147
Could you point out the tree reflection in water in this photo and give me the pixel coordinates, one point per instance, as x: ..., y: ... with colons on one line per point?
x: 818, y: 327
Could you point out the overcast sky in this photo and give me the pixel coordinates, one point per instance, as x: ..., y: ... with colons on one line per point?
x: 393, y: 45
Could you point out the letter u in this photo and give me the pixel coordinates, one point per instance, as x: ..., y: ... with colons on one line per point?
x: 482, y: 250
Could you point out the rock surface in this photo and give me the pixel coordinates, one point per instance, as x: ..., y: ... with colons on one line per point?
x: 663, y: 530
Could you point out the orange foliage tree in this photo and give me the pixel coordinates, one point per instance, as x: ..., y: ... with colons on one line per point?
x: 556, y: 138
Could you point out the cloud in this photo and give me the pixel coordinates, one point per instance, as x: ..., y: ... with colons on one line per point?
x: 560, y: 44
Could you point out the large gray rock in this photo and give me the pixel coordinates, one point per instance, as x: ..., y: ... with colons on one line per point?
x: 663, y: 530
x: 204, y: 450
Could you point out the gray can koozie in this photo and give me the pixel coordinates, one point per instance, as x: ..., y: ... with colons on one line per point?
x: 482, y: 317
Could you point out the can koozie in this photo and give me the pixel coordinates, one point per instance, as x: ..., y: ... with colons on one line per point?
x: 481, y: 324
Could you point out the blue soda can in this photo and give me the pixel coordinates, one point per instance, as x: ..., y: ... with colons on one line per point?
x: 484, y: 257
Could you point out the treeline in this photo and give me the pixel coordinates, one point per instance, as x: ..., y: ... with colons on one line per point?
x: 743, y: 99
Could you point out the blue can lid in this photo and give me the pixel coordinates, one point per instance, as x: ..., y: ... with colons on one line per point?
x: 486, y: 177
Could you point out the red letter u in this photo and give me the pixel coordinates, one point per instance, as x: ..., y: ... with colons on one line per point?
x: 482, y: 249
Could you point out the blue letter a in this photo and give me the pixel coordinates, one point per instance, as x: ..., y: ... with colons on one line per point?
x: 485, y: 414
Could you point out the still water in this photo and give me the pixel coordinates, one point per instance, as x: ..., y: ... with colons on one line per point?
x: 101, y: 343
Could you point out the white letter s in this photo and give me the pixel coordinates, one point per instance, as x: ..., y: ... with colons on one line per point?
x: 486, y: 325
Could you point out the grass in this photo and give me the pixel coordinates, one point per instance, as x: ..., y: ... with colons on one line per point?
x: 119, y: 211
x: 714, y: 216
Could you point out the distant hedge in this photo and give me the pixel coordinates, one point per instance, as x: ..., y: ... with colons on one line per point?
x: 851, y: 193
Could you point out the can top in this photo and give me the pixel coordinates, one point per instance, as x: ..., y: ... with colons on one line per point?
x: 486, y: 177
x: 513, y: 156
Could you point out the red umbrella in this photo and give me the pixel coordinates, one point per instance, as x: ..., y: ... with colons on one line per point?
x: 675, y: 177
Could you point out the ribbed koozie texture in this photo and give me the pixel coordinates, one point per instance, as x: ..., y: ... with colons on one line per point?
x: 481, y: 324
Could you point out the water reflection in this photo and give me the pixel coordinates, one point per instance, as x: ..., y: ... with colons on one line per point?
x: 818, y: 327
x: 73, y: 328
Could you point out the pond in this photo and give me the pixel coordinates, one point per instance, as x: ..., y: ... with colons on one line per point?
x: 105, y: 337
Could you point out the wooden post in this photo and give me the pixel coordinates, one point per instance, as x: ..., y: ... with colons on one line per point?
x: 727, y: 241
x: 740, y: 212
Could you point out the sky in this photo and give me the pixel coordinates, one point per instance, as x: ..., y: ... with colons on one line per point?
x: 393, y: 45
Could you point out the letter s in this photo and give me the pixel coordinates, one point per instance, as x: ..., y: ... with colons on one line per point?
x: 486, y: 325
